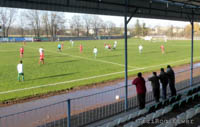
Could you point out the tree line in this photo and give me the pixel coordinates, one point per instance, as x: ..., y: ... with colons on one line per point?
x: 51, y: 24
x: 23, y: 23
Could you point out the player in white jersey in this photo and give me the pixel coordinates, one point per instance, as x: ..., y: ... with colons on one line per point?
x: 140, y: 47
x: 95, y: 51
x: 115, y: 45
x: 115, y: 42
x: 41, y: 50
x: 72, y: 43
x: 20, y: 71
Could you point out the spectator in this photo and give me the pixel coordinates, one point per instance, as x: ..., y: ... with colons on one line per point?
x: 139, y: 82
x: 171, y: 79
x: 155, y: 86
x: 164, y: 80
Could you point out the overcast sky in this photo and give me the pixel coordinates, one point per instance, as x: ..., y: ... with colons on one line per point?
x: 149, y: 22
x: 119, y: 21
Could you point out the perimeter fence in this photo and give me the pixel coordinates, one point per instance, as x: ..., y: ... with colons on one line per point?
x: 78, y: 112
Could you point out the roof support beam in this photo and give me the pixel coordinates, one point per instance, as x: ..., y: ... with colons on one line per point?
x: 192, y: 51
x: 126, y: 53
x: 132, y: 16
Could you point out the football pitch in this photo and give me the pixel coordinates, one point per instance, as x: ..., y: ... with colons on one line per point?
x: 70, y: 68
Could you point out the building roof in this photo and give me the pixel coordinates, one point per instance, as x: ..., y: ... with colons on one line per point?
x: 181, y: 10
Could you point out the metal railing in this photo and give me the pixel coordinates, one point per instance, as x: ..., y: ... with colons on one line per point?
x: 88, y: 109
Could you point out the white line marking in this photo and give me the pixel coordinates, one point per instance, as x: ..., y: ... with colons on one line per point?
x: 98, y: 76
x: 64, y: 82
x: 171, y: 62
x: 103, y: 61
x: 8, y: 50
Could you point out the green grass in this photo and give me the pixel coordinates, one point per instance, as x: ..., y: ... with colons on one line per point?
x: 71, y: 65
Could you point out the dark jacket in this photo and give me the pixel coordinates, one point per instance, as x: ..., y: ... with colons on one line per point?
x: 163, y: 78
x: 171, y: 75
x: 140, y: 85
x: 155, y: 82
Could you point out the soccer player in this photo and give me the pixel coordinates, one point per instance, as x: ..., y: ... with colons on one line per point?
x: 41, y: 50
x: 72, y: 43
x: 109, y: 46
x: 22, y: 52
x: 95, y: 50
x: 81, y: 48
x: 115, y: 42
x: 140, y: 47
x: 162, y: 49
x: 62, y: 46
x: 59, y: 47
x: 42, y: 57
x: 106, y: 46
x: 24, y: 42
x: 20, y: 70
x: 115, y: 45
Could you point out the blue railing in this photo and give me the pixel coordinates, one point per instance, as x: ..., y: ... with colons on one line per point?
x: 87, y: 109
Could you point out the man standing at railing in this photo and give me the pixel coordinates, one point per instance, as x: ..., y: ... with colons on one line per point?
x: 139, y: 82
x: 171, y: 79
x: 164, y: 80
x: 155, y: 86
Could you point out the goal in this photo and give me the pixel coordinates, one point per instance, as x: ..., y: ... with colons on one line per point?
x: 159, y: 39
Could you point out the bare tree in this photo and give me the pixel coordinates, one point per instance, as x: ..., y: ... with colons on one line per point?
x: 34, y: 18
x: 110, y: 27
x: 7, y: 19
x: 104, y: 28
x: 96, y: 24
x: 87, y: 19
x: 22, y: 23
x: 76, y: 24
x: 45, y: 22
x: 56, y: 23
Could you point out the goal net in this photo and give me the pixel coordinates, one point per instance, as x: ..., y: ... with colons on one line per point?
x: 159, y: 39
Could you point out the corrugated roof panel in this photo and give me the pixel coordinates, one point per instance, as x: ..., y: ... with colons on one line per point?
x: 159, y: 9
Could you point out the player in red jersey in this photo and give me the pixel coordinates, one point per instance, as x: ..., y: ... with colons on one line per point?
x: 81, y: 48
x: 162, y: 49
x: 24, y: 42
x: 62, y: 46
x: 22, y: 52
x: 42, y: 57
x: 109, y: 46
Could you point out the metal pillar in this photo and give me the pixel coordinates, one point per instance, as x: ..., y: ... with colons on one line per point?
x: 69, y: 113
x: 126, y: 55
x: 192, y: 51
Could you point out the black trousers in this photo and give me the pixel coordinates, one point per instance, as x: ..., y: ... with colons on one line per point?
x: 164, y: 91
x: 141, y: 100
x: 156, y: 94
x: 172, y: 88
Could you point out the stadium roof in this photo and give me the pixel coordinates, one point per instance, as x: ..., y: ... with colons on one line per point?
x: 181, y: 10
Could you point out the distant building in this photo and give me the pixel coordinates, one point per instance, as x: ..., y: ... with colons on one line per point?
x: 178, y: 30
x: 162, y: 30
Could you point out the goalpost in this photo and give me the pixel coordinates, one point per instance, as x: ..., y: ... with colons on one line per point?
x: 159, y: 39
